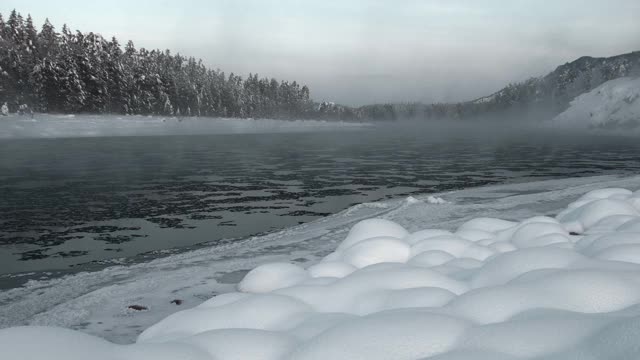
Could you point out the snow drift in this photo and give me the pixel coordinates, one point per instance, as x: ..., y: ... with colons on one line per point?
x: 562, y: 287
x: 612, y: 105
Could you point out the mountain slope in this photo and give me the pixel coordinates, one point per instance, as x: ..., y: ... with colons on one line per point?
x: 614, y: 104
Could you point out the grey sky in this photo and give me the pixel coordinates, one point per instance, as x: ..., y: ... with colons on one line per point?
x: 358, y: 52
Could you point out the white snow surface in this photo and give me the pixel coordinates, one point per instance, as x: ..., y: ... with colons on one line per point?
x: 66, y: 126
x: 541, y: 270
x: 612, y: 105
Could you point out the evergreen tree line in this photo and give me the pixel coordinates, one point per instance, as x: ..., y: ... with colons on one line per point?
x: 75, y: 72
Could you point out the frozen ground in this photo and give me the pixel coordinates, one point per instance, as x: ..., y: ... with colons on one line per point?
x: 614, y: 105
x: 56, y: 126
x: 534, y: 286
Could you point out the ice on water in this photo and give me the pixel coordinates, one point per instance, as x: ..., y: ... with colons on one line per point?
x: 544, y: 286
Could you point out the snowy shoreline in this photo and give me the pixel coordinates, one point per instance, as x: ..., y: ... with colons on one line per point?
x: 96, y: 303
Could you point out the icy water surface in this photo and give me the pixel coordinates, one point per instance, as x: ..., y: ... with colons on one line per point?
x: 71, y: 204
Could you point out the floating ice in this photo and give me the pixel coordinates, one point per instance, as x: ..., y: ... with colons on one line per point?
x: 542, y: 288
x: 436, y: 200
x: 429, y: 200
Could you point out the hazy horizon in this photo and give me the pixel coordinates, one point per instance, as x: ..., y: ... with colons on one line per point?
x: 361, y: 52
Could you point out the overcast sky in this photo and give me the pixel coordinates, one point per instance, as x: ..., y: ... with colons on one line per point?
x: 357, y: 51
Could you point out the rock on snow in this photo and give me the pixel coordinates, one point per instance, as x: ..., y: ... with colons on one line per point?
x: 564, y: 287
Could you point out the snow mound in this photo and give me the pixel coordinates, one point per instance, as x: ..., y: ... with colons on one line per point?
x: 564, y: 287
x: 371, y: 228
x: 614, y: 104
x: 269, y: 277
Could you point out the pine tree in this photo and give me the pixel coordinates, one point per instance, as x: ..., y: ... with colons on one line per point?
x: 47, y: 40
x: 46, y: 73
x: 116, y: 82
x: 30, y: 35
x: 15, y: 27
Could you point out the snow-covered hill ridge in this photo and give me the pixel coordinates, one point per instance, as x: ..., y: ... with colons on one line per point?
x: 612, y: 105
x: 563, y: 287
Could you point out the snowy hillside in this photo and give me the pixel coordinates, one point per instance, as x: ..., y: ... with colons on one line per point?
x: 612, y: 105
x: 428, y: 279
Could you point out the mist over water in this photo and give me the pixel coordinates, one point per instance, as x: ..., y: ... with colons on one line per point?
x: 72, y: 126
x: 71, y: 204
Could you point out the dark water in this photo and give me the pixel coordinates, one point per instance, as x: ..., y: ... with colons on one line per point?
x: 75, y: 204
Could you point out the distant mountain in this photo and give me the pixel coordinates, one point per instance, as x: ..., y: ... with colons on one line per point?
x: 556, y: 90
x: 541, y: 97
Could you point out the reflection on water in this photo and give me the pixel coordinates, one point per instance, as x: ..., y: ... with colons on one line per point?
x: 65, y: 202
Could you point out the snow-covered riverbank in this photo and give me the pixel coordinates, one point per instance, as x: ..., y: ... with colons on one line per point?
x: 527, y: 287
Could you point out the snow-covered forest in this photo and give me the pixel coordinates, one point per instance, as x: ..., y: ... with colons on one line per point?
x: 75, y: 72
